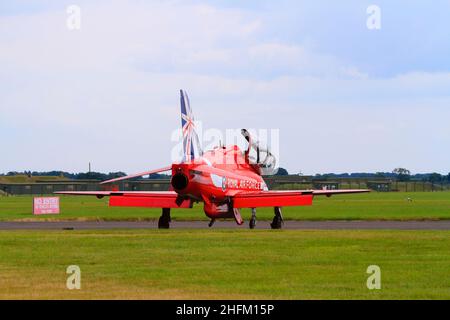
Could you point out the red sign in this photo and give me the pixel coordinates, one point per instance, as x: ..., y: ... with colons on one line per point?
x: 46, y: 205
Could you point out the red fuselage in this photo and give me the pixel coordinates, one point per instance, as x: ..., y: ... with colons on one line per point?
x: 215, y: 178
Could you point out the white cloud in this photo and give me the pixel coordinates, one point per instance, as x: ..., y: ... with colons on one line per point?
x: 109, y: 93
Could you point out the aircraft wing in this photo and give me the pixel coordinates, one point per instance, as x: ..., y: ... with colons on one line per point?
x: 329, y: 193
x: 144, y: 199
x: 138, y: 175
x: 283, y: 198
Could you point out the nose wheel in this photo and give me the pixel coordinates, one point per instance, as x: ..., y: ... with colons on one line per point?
x: 164, y: 220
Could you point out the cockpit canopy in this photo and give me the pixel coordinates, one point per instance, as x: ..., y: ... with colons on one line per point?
x: 259, y: 156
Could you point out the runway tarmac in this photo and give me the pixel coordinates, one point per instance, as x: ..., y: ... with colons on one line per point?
x: 289, y: 225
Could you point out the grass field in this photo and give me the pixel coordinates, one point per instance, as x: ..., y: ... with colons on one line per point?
x: 230, y: 264
x: 214, y: 264
x: 373, y: 206
x: 26, y: 179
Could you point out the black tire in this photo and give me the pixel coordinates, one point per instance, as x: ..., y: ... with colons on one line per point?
x: 277, y: 223
x: 163, y: 223
x: 164, y: 220
x: 252, y: 223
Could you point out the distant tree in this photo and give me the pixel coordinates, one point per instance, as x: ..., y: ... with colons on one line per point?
x: 282, y: 172
x: 402, y: 174
x: 435, y: 177
x: 113, y: 175
x: 158, y: 176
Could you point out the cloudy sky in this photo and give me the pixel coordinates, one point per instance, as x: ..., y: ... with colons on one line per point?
x: 344, y: 97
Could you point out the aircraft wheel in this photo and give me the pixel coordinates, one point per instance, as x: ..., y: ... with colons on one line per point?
x: 277, y: 222
x: 163, y: 223
x: 164, y: 220
x: 252, y: 223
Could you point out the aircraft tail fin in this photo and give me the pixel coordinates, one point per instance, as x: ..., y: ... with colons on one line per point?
x: 191, y: 143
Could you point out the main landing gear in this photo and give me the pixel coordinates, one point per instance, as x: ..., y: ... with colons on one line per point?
x: 164, y: 220
x: 277, y: 222
x: 252, y: 223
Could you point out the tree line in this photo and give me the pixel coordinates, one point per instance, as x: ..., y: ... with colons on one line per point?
x: 69, y: 175
x: 400, y: 174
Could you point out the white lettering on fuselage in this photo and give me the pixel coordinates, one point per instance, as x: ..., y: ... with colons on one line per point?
x: 243, y: 184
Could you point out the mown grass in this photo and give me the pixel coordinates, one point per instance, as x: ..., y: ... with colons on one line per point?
x: 373, y: 206
x: 21, y: 178
x: 224, y: 264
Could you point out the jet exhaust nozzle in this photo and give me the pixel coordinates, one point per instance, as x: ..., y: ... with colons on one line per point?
x: 179, y: 181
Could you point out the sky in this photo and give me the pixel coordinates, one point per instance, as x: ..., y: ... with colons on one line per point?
x: 344, y: 97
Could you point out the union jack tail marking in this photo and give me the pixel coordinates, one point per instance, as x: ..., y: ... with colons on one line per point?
x: 191, y: 143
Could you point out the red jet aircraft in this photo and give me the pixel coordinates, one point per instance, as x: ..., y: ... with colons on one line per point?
x: 225, y: 179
